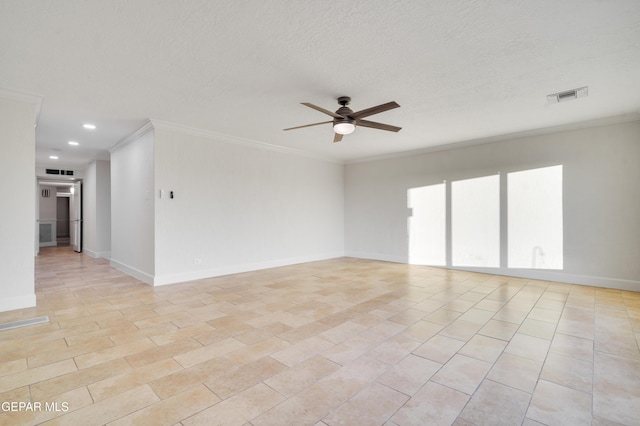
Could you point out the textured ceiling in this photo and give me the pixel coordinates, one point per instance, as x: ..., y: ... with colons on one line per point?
x: 461, y: 70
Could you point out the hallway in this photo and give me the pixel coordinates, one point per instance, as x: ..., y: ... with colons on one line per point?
x: 344, y: 341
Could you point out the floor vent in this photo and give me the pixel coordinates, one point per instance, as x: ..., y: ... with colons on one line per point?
x: 23, y: 323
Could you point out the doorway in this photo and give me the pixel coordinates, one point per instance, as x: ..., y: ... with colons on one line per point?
x: 62, y: 221
x: 59, y: 211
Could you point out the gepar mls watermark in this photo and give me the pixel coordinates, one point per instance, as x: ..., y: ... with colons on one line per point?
x: 22, y: 406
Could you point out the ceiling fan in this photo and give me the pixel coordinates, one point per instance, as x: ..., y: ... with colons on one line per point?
x: 345, y: 120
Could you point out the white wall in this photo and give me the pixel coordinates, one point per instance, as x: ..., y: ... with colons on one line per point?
x: 96, y: 201
x: 47, y: 212
x: 601, y: 198
x: 132, y: 207
x: 240, y: 207
x: 17, y: 218
x: 48, y: 206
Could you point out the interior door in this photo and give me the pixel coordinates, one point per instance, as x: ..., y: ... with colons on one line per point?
x: 75, y: 217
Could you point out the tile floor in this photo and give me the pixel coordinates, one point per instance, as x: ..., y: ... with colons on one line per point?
x: 338, y: 342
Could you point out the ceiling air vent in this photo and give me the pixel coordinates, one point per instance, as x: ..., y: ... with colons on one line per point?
x: 568, y: 95
x: 59, y: 172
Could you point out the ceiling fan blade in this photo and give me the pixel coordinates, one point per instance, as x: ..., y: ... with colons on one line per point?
x: 381, y: 126
x: 337, y: 138
x: 326, y: 111
x: 308, y: 125
x: 375, y: 110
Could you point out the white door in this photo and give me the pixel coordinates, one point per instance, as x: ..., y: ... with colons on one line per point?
x: 75, y: 217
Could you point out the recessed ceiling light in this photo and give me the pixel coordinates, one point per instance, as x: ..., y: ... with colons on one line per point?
x: 74, y: 143
x: 53, y: 157
x: 89, y: 126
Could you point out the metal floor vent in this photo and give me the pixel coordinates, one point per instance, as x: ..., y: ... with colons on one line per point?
x: 23, y: 323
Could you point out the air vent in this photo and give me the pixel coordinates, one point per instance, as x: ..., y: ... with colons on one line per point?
x: 59, y: 172
x: 24, y: 323
x: 568, y: 95
x: 565, y: 96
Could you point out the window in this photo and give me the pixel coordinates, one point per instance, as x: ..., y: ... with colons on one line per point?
x: 427, y: 225
x: 475, y: 222
x: 535, y: 218
x: 469, y: 224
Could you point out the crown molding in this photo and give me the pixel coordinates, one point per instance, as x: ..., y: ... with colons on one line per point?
x: 31, y: 98
x: 606, y: 121
x: 148, y: 127
x: 220, y: 137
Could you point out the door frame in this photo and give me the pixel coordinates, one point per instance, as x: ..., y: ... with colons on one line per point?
x: 64, y: 183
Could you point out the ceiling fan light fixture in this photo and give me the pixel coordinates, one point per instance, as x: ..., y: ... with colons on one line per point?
x: 344, y: 127
x: 345, y: 120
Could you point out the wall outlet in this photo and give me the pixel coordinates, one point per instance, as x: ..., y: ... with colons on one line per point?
x: 197, y: 261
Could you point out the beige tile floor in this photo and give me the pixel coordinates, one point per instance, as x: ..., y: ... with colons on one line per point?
x: 338, y: 342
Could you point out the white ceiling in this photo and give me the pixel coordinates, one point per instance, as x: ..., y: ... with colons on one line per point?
x: 461, y: 70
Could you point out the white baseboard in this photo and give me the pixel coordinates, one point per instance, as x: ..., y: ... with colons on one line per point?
x: 561, y: 277
x: 237, y: 269
x: 97, y: 254
x: 19, y: 302
x: 377, y: 256
x: 129, y: 270
x: 532, y: 274
x: 543, y: 275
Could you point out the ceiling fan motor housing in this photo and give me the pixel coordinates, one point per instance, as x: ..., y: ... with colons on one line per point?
x: 345, y: 124
x: 346, y: 113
